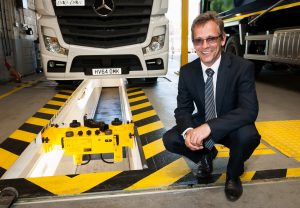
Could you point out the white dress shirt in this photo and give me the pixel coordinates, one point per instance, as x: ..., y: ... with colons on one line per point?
x: 215, y: 68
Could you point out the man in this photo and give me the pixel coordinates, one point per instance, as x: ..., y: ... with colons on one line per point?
x: 222, y: 87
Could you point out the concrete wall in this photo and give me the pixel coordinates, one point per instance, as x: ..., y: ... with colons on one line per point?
x: 22, y: 48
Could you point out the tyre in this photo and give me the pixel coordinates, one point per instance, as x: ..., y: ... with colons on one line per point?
x: 68, y: 82
x: 150, y: 80
x: 258, y: 67
x: 233, y: 46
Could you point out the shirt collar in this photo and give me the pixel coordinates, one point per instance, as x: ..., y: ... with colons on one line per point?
x: 214, y: 67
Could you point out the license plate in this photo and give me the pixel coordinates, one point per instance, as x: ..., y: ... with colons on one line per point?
x: 107, y: 71
x: 70, y: 2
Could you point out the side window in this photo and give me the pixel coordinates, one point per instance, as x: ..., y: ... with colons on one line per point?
x: 221, y: 5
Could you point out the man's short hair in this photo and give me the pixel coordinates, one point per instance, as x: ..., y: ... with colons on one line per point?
x: 204, y: 18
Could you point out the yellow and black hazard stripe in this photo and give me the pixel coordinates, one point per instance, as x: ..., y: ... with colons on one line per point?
x: 17, y: 142
x: 164, y: 168
x: 284, y: 173
x: 115, y: 181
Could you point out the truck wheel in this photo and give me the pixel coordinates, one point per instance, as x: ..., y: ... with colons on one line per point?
x: 258, y: 67
x: 151, y: 80
x: 233, y: 46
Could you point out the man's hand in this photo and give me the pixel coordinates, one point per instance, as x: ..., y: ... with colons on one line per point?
x: 195, y: 137
x: 188, y: 143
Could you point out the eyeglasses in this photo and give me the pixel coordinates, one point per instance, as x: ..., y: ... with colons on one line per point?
x: 210, y: 40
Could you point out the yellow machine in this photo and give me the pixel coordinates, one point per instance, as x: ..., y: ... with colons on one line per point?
x: 92, y: 138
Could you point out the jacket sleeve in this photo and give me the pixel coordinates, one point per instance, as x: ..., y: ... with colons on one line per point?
x: 246, y: 108
x: 185, y: 104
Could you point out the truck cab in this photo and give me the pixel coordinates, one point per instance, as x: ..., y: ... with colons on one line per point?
x: 88, y: 39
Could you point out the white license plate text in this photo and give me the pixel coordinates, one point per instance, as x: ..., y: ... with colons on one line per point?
x: 70, y: 2
x: 107, y: 71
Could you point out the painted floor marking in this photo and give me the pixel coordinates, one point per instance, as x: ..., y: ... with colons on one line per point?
x: 20, y: 87
x: 282, y: 135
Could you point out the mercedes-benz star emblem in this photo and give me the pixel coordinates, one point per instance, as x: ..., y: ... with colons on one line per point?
x: 104, y: 7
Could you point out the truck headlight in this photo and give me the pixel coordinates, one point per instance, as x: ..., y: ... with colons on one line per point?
x: 52, y: 45
x: 157, y: 43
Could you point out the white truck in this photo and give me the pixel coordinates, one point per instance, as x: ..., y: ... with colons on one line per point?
x: 83, y: 39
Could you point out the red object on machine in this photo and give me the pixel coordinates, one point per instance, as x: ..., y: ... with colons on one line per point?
x: 7, y: 65
x: 13, y: 72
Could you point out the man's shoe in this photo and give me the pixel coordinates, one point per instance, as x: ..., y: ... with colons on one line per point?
x: 205, y: 167
x: 233, y: 189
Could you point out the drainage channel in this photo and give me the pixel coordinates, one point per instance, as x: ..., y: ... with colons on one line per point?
x: 100, y: 100
x: 108, y: 109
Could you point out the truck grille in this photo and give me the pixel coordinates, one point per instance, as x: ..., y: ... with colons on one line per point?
x: 82, y: 25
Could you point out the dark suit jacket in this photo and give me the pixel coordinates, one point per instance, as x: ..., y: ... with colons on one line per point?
x: 236, y: 100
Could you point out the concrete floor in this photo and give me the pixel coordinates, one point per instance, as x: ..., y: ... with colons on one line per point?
x: 267, y: 194
x: 17, y: 107
x: 278, y: 94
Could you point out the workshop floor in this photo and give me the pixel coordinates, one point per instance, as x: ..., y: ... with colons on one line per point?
x: 278, y: 119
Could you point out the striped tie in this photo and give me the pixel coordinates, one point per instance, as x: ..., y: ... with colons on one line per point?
x: 210, y: 111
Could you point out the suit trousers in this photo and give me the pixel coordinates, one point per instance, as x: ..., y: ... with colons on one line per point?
x: 241, y: 142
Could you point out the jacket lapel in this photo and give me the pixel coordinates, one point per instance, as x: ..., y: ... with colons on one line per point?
x: 221, y: 81
x: 200, y: 83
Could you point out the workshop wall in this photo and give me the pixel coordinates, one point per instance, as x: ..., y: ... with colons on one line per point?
x: 18, y: 32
